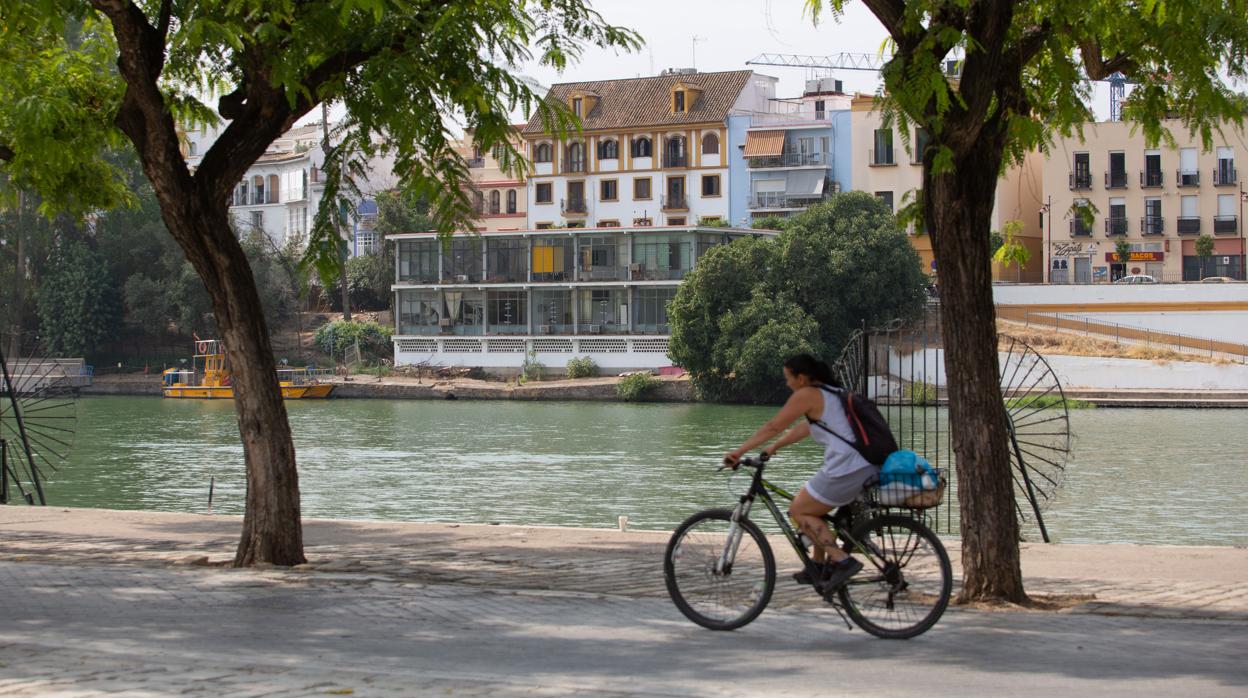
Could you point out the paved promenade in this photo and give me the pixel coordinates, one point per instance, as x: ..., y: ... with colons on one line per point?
x: 137, y: 603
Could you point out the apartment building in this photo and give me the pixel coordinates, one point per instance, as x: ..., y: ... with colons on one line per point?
x: 499, y: 198
x: 797, y: 153
x: 492, y: 298
x: 654, y: 151
x: 886, y: 164
x: 1160, y: 199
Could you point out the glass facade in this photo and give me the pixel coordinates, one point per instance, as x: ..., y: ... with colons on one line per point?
x: 602, y: 258
x: 418, y: 261
x: 461, y: 261
x: 552, y: 311
x: 602, y: 310
x: 507, y: 260
x: 507, y: 312
x: 662, y: 257
x: 650, y: 310
x: 552, y: 259
x: 419, y: 311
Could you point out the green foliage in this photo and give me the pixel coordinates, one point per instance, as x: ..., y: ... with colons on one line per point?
x: 1204, y: 246
x: 636, y: 387
x: 995, y: 242
x: 749, y: 305
x: 582, y: 367
x: 531, y: 369
x: 368, y: 282
x: 401, y: 212
x: 1045, y: 402
x: 1122, y: 247
x: 1012, y: 251
x: 336, y: 337
x: 922, y: 393
x: 78, y: 307
x: 770, y: 223
x: 713, y: 223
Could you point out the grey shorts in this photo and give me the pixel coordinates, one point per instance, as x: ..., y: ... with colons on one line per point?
x: 837, y: 490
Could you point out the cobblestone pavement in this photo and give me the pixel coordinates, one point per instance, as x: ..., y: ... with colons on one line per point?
x: 1203, y: 583
x: 84, y: 628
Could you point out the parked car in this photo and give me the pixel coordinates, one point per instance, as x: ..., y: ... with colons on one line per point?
x: 1219, y: 280
x: 1136, y: 279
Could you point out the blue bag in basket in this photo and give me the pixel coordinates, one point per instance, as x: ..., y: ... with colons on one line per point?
x: 905, y: 474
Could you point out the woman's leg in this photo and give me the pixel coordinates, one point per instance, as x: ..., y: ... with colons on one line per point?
x: 807, y: 512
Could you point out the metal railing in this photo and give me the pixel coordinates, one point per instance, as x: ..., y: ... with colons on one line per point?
x: 781, y: 199
x: 1127, y: 334
x: 1187, y: 178
x: 675, y: 159
x: 1080, y: 180
x: 574, y: 164
x: 1116, y: 180
x: 1151, y: 178
x: 1153, y: 225
x: 789, y: 160
x: 1225, y: 225
x: 1224, y: 177
x: 1079, y: 229
x: 476, y: 162
x: 880, y: 158
x: 1116, y: 225
x: 1189, y: 225
x: 673, y: 202
x: 573, y: 205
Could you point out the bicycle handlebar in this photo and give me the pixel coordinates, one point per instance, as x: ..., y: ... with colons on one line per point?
x: 748, y: 462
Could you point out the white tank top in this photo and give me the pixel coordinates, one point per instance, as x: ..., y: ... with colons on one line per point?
x: 839, y: 458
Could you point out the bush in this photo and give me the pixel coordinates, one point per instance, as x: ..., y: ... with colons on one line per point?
x: 635, y: 387
x: 582, y: 367
x: 531, y: 369
x: 336, y: 337
x: 922, y: 393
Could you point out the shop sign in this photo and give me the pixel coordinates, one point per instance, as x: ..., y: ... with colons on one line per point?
x: 1069, y: 249
x: 1138, y: 256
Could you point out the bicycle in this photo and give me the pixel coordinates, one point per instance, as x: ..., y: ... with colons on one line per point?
x: 720, y: 570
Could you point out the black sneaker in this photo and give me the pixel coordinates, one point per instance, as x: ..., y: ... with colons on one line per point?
x: 837, y: 574
x: 821, y: 570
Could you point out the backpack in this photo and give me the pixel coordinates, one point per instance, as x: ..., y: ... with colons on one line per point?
x: 872, y: 437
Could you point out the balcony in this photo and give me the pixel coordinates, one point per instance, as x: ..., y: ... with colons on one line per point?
x: 1116, y: 180
x: 602, y: 272
x: 880, y: 158
x: 789, y: 160
x: 574, y: 164
x: 1224, y: 176
x: 675, y: 160
x: 476, y: 162
x: 1189, y: 225
x: 1187, y: 178
x: 779, y: 199
x: 1079, y: 229
x: 1116, y: 225
x: 1153, y: 225
x: 1225, y: 225
x: 575, y: 206
x: 1080, y: 180
x: 675, y: 202
x: 1150, y: 179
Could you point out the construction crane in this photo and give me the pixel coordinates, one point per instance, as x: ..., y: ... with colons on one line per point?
x: 816, y: 65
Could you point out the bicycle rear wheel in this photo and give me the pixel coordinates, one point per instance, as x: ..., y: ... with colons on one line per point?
x: 906, y: 580
x: 710, y: 594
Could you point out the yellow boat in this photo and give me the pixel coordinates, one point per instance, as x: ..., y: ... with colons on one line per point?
x: 213, y: 382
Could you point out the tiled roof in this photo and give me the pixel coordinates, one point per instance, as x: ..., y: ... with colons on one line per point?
x: 638, y: 102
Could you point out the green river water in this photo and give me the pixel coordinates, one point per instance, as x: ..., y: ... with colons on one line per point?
x: 1141, y: 476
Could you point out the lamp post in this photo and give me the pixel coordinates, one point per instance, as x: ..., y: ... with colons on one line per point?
x: 1048, y: 238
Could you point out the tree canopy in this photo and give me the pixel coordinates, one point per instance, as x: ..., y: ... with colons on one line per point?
x: 748, y: 305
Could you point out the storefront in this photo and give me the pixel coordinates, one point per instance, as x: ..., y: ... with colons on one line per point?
x: 1150, y: 262
x: 1227, y: 260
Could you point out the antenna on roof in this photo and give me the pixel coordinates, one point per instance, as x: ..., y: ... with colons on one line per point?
x: 694, y: 42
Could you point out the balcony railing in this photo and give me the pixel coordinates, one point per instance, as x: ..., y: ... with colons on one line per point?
x: 790, y: 160
x: 1080, y: 180
x: 1187, y: 178
x: 1116, y: 180
x: 1224, y: 177
x: 1189, y: 225
x: 602, y: 273
x: 1079, y: 229
x: 880, y: 158
x: 675, y: 202
x: 779, y: 199
x: 675, y: 160
x: 574, y: 164
x: 1225, y: 225
x: 1150, y: 178
x: 476, y: 162
x: 573, y: 205
x: 1116, y: 225
x: 1153, y: 225
x: 790, y: 119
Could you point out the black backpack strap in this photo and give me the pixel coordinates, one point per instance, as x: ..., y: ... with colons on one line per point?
x: 836, y: 393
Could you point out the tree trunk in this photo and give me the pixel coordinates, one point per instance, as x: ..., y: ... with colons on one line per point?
x: 272, y: 529
x: 959, y: 208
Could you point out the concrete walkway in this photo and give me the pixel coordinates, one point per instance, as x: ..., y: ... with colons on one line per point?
x: 105, y: 602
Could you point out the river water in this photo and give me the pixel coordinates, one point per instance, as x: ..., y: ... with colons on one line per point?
x: 1140, y: 476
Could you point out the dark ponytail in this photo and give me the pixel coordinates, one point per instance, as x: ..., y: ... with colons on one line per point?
x: 807, y: 365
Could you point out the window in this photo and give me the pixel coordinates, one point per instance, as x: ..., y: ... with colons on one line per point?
x: 608, y: 149
x: 1116, y: 224
x: 609, y: 224
x: 193, y: 148
x: 1226, y: 222
x: 419, y: 311
x: 643, y: 222
x: 651, y: 310
x: 641, y: 188
x: 544, y: 226
x: 576, y: 157
x: 921, y: 139
x: 609, y: 190
x: 1081, y: 178
x: 257, y: 220
x: 507, y: 311
x: 1117, y: 176
x: 678, y: 101
x: 663, y: 257
x: 461, y: 261
x: 1152, y: 217
x: 1189, y: 172
x: 1151, y: 176
x: 542, y: 153
x: 496, y: 201
x: 506, y: 260
x: 675, y: 153
x: 882, y: 154
x: 642, y: 148
x: 575, y: 203
x: 542, y: 192
x: 577, y: 104
x: 418, y: 261
x: 601, y: 257
x: 710, y: 185
x: 710, y: 144
x: 675, y: 197
x: 679, y: 220
x: 257, y: 190
x: 511, y: 201
x: 552, y: 259
x: 1224, y: 175
x: 1189, y: 215
x: 240, y: 194
x: 478, y: 202
x: 552, y: 311
x: 820, y: 108
x: 1078, y: 225
x: 603, y: 309
x: 886, y: 197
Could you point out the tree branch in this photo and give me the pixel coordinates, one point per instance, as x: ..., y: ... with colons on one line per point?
x: 1097, y: 67
x: 166, y: 14
x: 890, y: 13
x: 1032, y: 40
x: 6, y: 153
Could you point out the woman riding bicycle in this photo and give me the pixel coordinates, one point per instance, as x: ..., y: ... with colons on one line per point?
x: 838, y: 481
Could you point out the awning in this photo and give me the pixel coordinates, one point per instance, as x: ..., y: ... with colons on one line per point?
x: 805, y: 183
x: 759, y: 144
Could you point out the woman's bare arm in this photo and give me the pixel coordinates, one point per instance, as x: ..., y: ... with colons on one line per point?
x: 798, y: 405
x: 792, y: 436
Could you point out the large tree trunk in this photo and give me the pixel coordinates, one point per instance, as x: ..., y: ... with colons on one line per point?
x: 959, y: 207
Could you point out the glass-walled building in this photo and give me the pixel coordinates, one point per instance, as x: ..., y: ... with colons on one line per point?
x: 488, y: 299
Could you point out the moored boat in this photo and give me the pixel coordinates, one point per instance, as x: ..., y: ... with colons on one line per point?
x: 209, y: 377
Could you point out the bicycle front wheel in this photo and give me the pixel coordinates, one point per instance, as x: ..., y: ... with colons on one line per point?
x: 719, y: 575
x: 906, y: 579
